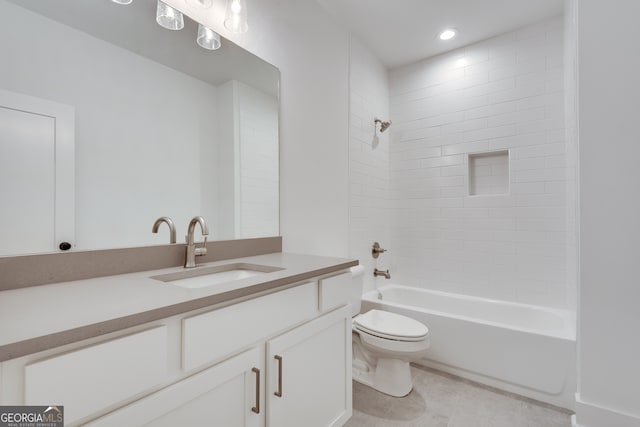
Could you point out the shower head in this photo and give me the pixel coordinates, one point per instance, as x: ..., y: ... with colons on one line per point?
x: 383, y: 125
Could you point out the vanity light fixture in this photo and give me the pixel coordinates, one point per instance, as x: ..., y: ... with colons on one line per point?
x: 122, y: 1
x: 447, y: 34
x: 207, y: 38
x: 168, y: 17
x: 236, y: 17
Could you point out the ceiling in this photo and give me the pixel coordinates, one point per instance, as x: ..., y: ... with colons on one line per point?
x: 400, y: 32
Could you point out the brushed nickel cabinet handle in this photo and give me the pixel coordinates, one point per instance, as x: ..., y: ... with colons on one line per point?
x: 256, y: 408
x: 279, y: 392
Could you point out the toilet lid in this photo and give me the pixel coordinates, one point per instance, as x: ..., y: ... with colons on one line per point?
x: 390, y: 325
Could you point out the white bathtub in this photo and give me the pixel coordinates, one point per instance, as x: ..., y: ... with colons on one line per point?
x: 525, y: 349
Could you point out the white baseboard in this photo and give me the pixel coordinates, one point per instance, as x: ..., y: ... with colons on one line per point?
x: 591, y: 415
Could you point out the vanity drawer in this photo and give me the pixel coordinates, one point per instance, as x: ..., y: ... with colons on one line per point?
x: 211, y: 336
x: 86, y: 381
x: 334, y: 291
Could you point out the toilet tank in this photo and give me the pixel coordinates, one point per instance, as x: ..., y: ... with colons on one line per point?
x: 357, y: 284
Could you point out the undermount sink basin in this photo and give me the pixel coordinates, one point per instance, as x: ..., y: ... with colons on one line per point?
x: 210, y: 276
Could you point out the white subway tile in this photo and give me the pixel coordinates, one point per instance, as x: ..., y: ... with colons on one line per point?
x: 540, y: 212
x: 445, y: 160
x: 527, y: 188
x: 491, y: 87
x: 456, y: 170
x: 537, y: 200
x: 474, y: 79
x: 516, y: 117
x: 545, y: 224
x: 464, y: 125
x: 489, y: 133
x: 491, y: 110
x: 465, y: 212
x: 556, y: 187
x: 488, y: 201
x: 536, y: 163
x: 419, y: 153
x: 538, y: 151
x: 420, y: 133
x: 534, y: 175
x: 491, y: 223
x: 454, y: 191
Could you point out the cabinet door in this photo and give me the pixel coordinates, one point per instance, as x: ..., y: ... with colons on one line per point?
x: 309, y: 373
x: 228, y: 394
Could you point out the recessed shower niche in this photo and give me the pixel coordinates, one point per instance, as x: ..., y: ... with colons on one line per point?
x: 489, y: 173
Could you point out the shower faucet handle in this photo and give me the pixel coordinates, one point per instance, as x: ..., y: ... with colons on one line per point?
x: 376, y: 250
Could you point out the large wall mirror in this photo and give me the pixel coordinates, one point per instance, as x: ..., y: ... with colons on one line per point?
x: 109, y: 121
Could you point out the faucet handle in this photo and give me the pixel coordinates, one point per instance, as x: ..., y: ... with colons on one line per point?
x: 203, y: 250
x: 376, y: 250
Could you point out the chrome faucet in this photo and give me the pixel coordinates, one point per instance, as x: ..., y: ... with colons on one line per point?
x: 192, y: 251
x: 172, y: 228
x: 377, y: 272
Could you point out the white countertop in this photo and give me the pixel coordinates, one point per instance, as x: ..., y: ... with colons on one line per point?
x: 40, y: 311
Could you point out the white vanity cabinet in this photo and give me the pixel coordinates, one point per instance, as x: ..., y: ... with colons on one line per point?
x: 282, y: 359
x: 309, y: 373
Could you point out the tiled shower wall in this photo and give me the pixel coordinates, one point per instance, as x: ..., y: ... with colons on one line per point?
x: 505, y: 93
x: 368, y: 160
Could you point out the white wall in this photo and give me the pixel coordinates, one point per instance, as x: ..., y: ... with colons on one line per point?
x: 122, y: 134
x: 369, y: 161
x: 609, y: 318
x: 311, y: 51
x: 505, y: 93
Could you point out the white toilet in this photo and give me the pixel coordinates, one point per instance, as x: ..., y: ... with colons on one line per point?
x: 384, y: 344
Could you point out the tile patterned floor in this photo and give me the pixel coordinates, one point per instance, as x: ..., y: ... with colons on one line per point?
x: 440, y: 400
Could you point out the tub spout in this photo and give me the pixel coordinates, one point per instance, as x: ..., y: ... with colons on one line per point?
x: 377, y: 273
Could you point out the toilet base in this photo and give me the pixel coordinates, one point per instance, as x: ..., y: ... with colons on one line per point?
x: 389, y: 376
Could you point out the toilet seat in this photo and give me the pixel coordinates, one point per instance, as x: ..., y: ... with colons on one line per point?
x: 390, y: 326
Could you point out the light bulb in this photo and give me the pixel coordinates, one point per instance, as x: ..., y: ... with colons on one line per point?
x: 447, y: 34
x: 200, y: 4
x: 236, y: 16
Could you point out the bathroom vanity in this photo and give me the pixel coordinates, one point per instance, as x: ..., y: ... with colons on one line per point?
x: 270, y: 349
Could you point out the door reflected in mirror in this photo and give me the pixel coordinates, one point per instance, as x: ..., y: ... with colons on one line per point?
x: 156, y: 126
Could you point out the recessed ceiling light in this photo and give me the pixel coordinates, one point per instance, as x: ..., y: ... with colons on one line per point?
x: 447, y: 34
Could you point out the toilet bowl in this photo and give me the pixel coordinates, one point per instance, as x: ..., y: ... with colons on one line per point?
x: 384, y: 344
